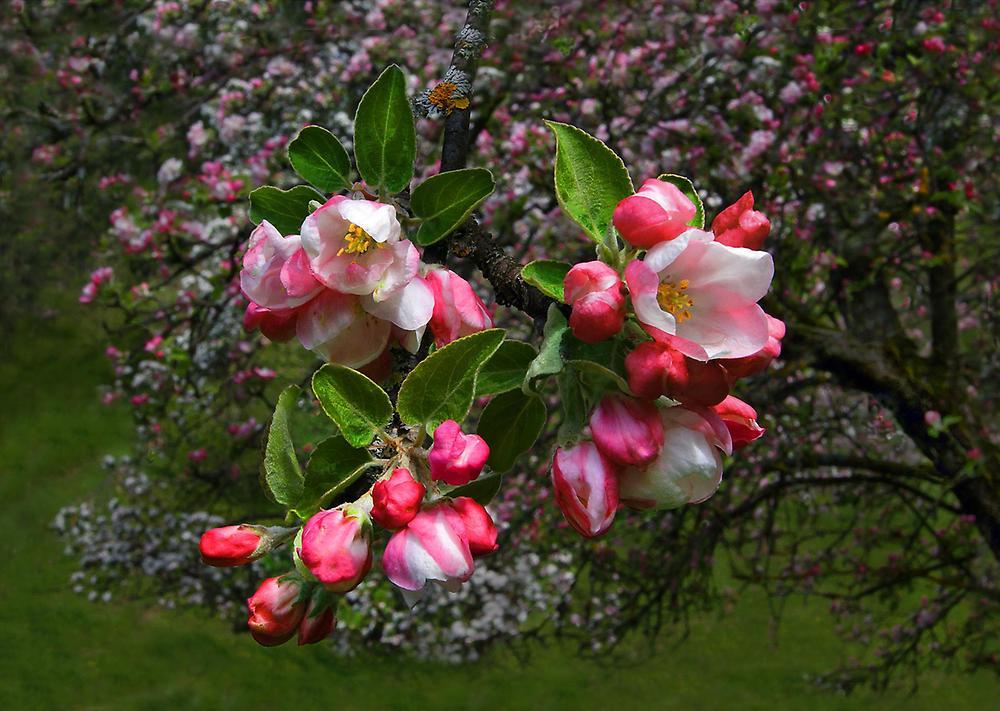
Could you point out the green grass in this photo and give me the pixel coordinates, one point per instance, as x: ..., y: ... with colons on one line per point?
x: 58, y: 651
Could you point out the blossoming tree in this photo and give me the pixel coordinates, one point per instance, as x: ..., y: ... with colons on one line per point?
x: 865, y: 136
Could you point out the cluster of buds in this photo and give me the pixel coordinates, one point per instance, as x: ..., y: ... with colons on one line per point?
x: 693, y: 294
x: 433, y: 537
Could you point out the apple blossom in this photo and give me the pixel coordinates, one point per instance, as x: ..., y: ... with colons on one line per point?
x: 586, y: 488
x: 336, y: 547
x: 275, y: 272
x: 274, y: 613
x: 658, y: 212
x: 689, y: 468
x: 593, y: 290
x: 741, y: 421
x: 396, y: 499
x: 278, y: 326
x: 458, y: 310
x: 703, y: 292
x: 456, y: 458
x: 627, y: 430
x: 432, y: 547
x: 739, y: 225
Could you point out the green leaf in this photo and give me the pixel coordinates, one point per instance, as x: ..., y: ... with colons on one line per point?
x: 443, y: 385
x: 573, y: 405
x: 385, y: 140
x: 357, y: 404
x: 285, y: 209
x: 482, y: 490
x: 600, y: 364
x: 590, y: 179
x: 318, y: 157
x: 282, y: 474
x: 510, y: 424
x: 506, y: 369
x: 549, y: 360
x: 548, y: 275
x: 333, y: 467
x: 445, y: 200
x: 687, y: 187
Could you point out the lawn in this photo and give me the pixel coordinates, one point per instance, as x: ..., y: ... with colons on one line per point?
x: 60, y: 651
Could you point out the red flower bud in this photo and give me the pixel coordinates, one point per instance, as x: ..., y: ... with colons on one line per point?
x: 655, y: 368
x: 752, y: 364
x: 739, y: 225
x: 397, y: 499
x: 480, y: 532
x: 336, y: 547
x: 626, y: 430
x: 316, y: 627
x: 741, y: 421
x: 274, y: 614
x: 233, y: 545
x: 456, y: 458
x: 586, y: 488
x: 658, y: 212
x: 593, y: 289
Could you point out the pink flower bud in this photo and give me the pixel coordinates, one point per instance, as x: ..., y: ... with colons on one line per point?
x: 397, y: 499
x: 739, y: 225
x: 230, y: 546
x: 480, y: 531
x: 316, y: 627
x: 758, y: 362
x: 741, y: 421
x: 456, y: 458
x: 458, y: 310
x: 658, y: 212
x: 655, y: 368
x: 432, y: 547
x: 586, y: 488
x: 593, y: 289
x: 336, y: 547
x: 274, y: 614
x: 626, y: 430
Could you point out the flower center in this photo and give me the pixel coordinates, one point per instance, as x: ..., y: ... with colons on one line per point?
x: 358, y: 241
x: 674, y: 299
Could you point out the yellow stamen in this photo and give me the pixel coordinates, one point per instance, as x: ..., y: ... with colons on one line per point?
x: 443, y: 96
x: 358, y: 241
x: 672, y: 299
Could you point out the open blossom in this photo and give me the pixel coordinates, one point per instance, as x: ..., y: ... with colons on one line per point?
x: 274, y: 614
x: 741, y: 421
x: 627, y: 430
x: 336, y: 547
x: 656, y: 368
x: 586, y: 488
x: 704, y: 293
x: 689, y: 468
x: 456, y: 458
x: 658, y: 212
x: 432, y: 547
x: 276, y: 273
x: 339, y: 329
x: 396, y: 499
x: 458, y: 310
x: 593, y: 290
x: 739, y: 225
